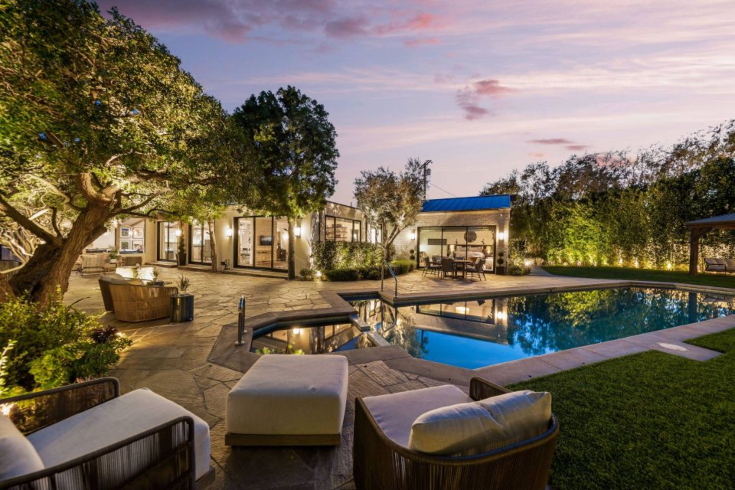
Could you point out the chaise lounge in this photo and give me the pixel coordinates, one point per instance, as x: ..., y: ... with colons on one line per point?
x: 88, y: 436
x: 724, y: 266
x: 441, y: 438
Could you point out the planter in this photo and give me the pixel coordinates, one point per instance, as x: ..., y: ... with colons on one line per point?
x: 182, y: 308
x: 500, y: 270
x: 181, y: 259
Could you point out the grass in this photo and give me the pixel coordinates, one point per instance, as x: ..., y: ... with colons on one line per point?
x: 649, y: 420
x: 626, y: 273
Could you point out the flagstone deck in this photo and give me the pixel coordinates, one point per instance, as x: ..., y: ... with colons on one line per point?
x: 180, y: 362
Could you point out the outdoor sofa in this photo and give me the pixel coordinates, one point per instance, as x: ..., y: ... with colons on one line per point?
x: 134, y: 301
x: 394, y: 450
x: 88, y: 436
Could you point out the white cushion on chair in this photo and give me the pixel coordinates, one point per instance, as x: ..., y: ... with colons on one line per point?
x: 481, y: 426
x: 395, y: 413
x: 17, y: 455
x: 114, y: 421
x: 290, y: 395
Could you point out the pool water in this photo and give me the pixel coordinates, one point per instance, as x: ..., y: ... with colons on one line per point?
x: 310, y: 340
x: 479, y: 333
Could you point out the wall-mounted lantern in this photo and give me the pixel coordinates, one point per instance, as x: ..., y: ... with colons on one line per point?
x: 412, y: 235
x: 228, y: 232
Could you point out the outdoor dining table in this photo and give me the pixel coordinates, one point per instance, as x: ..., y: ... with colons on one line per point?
x: 462, y: 263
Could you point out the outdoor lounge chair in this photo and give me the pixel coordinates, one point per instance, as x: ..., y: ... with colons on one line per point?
x: 717, y: 265
x: 382, y: 460
x: 91, y: 264
x: 87, y: 436
x: 477, y: 268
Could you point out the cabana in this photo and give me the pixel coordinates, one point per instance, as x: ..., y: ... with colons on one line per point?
x: 700, y: 227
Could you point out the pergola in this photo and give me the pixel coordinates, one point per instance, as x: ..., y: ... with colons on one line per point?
x: 702, y: 226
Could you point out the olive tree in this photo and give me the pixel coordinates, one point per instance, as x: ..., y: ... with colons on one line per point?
x: 97, y: 120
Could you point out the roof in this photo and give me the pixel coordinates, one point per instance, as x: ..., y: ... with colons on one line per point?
x: 467, y: 203
x: 713, y: 221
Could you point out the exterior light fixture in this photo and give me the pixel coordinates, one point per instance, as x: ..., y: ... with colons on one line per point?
x: 228, y: 232
x: 528, y: 262
x: 318, y: 274
x: 501, y: 316
x: 296, y: 331
x: 501, y: 235
x: 412, y: 235
x: 462, y: 310
x: 297, y: 231
x: 177, y: 232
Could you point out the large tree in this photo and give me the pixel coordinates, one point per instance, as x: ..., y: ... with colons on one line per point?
x: 293, y: 148
x: 391, y: 201
x: 97, y: 120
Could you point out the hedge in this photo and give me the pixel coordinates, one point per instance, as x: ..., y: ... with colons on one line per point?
x: 358, y: 273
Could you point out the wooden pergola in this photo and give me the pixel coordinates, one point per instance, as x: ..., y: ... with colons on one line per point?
x: 700, y: 227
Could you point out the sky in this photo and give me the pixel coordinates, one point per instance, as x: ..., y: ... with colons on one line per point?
x: 481, y: 87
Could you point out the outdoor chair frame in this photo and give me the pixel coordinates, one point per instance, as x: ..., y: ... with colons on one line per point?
x: 382, y: 464
x: 477, y: 268
x: 431, y: 268
x: 166, y: 450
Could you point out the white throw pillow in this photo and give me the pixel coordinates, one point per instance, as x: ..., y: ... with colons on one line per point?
x: 17, y: 455
x: 481, y: 426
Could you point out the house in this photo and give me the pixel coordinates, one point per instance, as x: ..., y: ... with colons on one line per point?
x: 459, y: 227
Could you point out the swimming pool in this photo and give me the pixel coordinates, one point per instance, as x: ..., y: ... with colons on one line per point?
x: 483, y: 332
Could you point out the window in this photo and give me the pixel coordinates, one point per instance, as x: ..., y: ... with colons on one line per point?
x: 200, y: 248
x: 460, y: 242
x: 342, y: 229
x: 261, y: 242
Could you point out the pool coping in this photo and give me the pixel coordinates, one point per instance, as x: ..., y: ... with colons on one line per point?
x: 668, y: 340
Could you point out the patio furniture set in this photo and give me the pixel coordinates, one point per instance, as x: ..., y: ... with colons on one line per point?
x: 429, y: 438
x: 725, y: 266
x: 447, y: 266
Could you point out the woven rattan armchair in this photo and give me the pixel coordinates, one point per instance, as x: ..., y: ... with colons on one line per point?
x: 162, y: 457
x: 139, y: 303
x: 382, y: 464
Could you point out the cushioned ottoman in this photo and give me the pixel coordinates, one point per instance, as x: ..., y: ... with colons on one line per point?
x: 289, y: 400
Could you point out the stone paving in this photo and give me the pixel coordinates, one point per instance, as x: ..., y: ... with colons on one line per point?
x: 174, y: 361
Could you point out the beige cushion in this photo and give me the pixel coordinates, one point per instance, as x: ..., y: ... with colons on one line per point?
x: 730, y: 263
x: 481, y: 426
x: 115, y: 421
x: 290, y: 395
x: 17, y: 455
x: 395, y: 413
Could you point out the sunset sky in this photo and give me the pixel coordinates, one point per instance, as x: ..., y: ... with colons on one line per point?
x: 479, y: 87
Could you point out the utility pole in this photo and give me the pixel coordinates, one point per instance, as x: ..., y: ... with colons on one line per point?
x: 427, y: 172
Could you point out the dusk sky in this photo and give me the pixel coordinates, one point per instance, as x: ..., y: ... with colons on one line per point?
x: 479, y: 87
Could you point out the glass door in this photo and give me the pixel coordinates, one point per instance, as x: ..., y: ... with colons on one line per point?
x: 199, y: 247
x: 244, y: 242
x: 280, y: 259
x: 168, y: 238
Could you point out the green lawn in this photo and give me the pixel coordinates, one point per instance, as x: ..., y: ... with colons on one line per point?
x: 625, y: 273
x: 649, y: 420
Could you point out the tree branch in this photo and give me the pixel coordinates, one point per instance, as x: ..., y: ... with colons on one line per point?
x: 26, y: 223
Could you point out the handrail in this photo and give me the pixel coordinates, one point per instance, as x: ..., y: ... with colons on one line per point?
x: 240, y: 320
x: 390, y: 269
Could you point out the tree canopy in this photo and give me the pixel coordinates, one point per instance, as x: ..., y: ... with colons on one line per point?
x: 294, y: 154
x: 97, y: 120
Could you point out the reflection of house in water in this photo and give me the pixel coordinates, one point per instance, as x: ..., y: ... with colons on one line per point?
x: 310, y: 340
x: 481, y: 319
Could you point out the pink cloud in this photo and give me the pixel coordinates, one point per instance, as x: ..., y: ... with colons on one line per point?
x: 413, y: 43
x: 345, y: 28
x: 468, y: 99
x: 552, y: 141
x: 577, y: 147
x: 536, y: 155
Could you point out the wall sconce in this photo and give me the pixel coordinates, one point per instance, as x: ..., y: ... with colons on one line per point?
x: 178, y: 232
x: 501, y: 235
x: 228, y: 232
x: 297, y: 231
x: 412, y: 235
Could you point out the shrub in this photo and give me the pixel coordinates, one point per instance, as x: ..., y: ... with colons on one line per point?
x: 346, y: 255
x: 342, y: 275
x: 55, y: 344
x: 402, y: 266
x: 306, y: 274
x: 517, y: 270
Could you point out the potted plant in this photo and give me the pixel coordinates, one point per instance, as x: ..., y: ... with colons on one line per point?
x: 501, y: 264
x: 114, y: 254
x: 182, y: 304
x: 181, y: 255
x: 155, y: 273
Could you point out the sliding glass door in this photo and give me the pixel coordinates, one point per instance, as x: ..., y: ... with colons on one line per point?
x: 200, y: 251
x: 168, y: 238
x: 459, y: 242
x: 261, y: 242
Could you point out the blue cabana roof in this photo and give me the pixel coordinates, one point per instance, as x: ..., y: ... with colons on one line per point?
x: 478, y: 203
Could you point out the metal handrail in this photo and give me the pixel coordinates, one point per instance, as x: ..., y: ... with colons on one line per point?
x: 390, y: 269
x: 240, y: 320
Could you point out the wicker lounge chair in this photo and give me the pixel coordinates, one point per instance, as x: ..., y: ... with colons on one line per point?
x: 382, y: 464
x: 88, y: 436
x: 140, y: 303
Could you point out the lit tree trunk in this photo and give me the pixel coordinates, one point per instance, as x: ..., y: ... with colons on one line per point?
x: 213, y: 245
x: 291, y: 261
x: 53, y: 262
